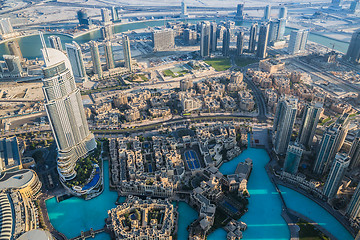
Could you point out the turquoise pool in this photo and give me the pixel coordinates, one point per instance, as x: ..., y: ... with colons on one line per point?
x: 75, y: 215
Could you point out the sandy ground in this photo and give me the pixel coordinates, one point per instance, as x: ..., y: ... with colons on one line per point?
x: 33, y: 90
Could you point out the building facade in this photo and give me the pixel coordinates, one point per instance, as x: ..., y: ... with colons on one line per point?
x: 263, y: 41
x: 298, y: 40
x: 163, y: 40
x: 75, y: 56
x: 293, y: 157
x: 127, y: 52
x: 95, y: 58
x: 205, y: 39
x: 353, y: 52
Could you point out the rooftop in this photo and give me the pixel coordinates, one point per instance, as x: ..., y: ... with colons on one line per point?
x: 16, y: 179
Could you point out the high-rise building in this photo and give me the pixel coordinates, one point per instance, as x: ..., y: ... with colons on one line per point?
x: 190, y: 36
x: 240, y: 43
x: 55, y: 42
x: 95, y: 57
x: 106, y: 32
x: 213, y: 37
x: 205, y: 39
x: 109, y: 56
x: 253, y: 37
x: 310, y: 119
x: 13, y: 64
x: 354, y: 153
x: 283, y: 12
x: 331, y: 142
x: 298, y: 40
x: 353, y: 52
x: 66, y: 113
x: 283, y: 123
x: 163, y: 40
x: 336, y: 3
x: 274, y: 30
x: 76, y: 59
x: 355, y: 6
x: 184, y: 12
x: 353, y: 209
x: 83, y: 18
x: 267, y: 12
x: 5, y: 28
x: 114, y: 14
x: 263, y: 40
x: 293, y: 157
x: 282, y: 27
x: 127, y: 52
x: 14, y: 49
x: 105, y: 16
x: 240, y: 12
x: 336, y: 174
x: 226, y: 43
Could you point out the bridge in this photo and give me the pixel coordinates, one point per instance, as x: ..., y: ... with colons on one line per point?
x: 88, y: 234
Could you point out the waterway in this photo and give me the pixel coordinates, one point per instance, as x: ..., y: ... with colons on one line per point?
x: 263, y: 218
x: 31, y: 45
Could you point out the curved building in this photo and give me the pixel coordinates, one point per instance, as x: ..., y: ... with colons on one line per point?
x: 24, y: 181
x: 66, y: 113
x: 36, y: 234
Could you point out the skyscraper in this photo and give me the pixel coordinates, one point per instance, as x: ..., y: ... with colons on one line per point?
x: 65, y: 111
x: 109, y: 57
x: 226, y: 42
x: 336, y: 174
x: 14, y: 49
x: 331, y: 142
x: 163, y: 40
x: 353, y: 52
x: 114, y: 14
x: 106, y: 32
x: 55, y: 42
x: 95, y: 57
x: 240, y: 12
x: 274, y: 29
x: 184, y: 12
x: 213, y: 37
x: 283, y: 12
x: 13, y: 64
x: 267, y: 12
x: 354, y: 153
x: 240, y: 43
x: 283, y: 123
x: 127, y: 52
x: 282, y: 27
x: 353, y: 209
x: 205, y: 39
x: 75, y: 56
x: 298, y: 40
x: 105, y: 16
x: 355, y: 6
x: 263, y: 40
x: 310, y: 119
x: 293, y: 157
x: 253, y: 37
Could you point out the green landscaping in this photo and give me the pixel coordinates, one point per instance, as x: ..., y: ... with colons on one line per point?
x: 242, y: 62
x: 310, y: 232
x: 168, y: 73
x: 219, y: 64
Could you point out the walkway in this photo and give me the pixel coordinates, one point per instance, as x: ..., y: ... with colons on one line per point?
x: 88, y: 234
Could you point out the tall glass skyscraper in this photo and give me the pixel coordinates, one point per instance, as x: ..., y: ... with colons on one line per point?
x: 95, y: 57
x: 75, y: 56
x: 66, y: 113
x: 312, y: 113
x: 127, y: 52
x: 205, y: 39
x: 353, y: 209
x: 226, y: 42
x: 109, y: 56
x: 331, y: 142
x: 283, y: 123
x: 353, y: 52
x: 253, y: 37
x: 293, y: 157
x: 240, y: 43
x: 55, y: 42
x: 298, y: 40
x: 336, y: 174
x: 263, y: 40
x: 213, y: 37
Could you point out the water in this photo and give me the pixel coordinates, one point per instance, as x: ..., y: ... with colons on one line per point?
x: 264, y: 216
x: 186, y: 216
x: 75, y: 214
x: 315, y: 212
x: 31, y: 45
